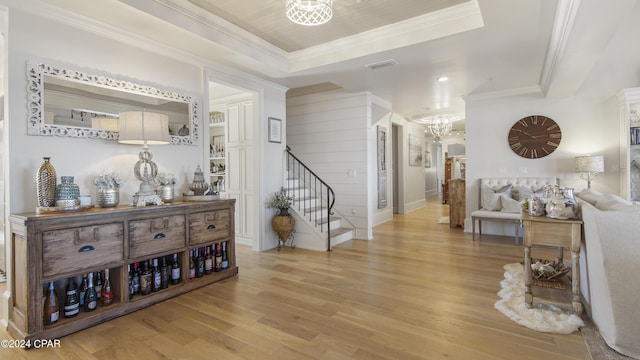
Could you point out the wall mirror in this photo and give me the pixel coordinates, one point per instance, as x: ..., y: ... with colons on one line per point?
x: 70, y: 103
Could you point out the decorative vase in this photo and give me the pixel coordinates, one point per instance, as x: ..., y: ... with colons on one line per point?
x: 536, y: 206
x: 67, y: 189
x: 283, y: 226
x: 46, y: 184
x: 165, y: 192
x: 562, y: 204
x: 198, y: 186
x: 108, y: 197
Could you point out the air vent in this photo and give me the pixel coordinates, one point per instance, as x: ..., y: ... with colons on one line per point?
x: 381, y: 64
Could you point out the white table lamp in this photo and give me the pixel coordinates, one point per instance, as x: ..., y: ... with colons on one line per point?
x: 144, y: 128
x: 589, y: 166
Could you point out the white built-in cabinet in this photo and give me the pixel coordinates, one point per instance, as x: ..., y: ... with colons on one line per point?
x: 629, y: 102
x: 238, y: 159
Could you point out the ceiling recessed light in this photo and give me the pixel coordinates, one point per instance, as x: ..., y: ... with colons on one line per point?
x: 443, y: 78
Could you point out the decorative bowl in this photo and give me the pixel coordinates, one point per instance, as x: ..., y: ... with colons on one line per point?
x: 69, y: 203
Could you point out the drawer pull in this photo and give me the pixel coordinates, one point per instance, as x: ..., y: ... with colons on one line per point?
x: 159, y: 224
x: 209, y: 217
x: 211, y: 227
x: 86, y: 248
x: 76, y: 236
x: 159, y: 236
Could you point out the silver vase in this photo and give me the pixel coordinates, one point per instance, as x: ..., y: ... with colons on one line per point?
x: 165, y: 192
x: 108, y: 197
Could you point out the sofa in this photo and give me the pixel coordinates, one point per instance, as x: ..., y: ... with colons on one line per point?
x: 610, y: 266
x: 501, y: 200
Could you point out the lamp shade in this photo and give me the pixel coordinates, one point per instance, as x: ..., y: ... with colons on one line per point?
x: 593, y: 164
x: 143, y: 127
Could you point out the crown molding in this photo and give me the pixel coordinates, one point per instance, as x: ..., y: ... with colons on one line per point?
x: 525, y: 90
x: 565, y: 15
x: 438, y: 24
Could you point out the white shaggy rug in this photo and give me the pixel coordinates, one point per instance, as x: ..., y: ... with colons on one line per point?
x: 544, y: 318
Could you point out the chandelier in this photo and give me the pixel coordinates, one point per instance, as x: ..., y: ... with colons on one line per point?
x: 439, y: 126
x: 309, y: 12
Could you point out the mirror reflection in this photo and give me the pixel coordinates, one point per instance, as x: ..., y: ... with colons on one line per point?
x: 70, y: 103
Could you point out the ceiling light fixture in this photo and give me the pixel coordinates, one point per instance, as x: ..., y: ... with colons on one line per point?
x: 440, y: 126
x: 309, y: 12
x: 443, y: 78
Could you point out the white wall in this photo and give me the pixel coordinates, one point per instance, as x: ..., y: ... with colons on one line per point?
x: 412, y: 195
x: 328, y: 132
x: 588, y: 126
x: 334, y: 133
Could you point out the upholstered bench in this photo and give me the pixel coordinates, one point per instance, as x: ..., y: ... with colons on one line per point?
x: 490, y: 215
x: 501, y: 200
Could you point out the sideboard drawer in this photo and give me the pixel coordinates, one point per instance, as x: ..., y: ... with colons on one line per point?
x: 155, y: 235
x: 74, y: 250
x: 209, y: 226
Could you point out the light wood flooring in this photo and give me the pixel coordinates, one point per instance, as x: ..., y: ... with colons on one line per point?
x: 419, y: 290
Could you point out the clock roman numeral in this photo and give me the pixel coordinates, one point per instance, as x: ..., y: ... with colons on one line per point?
x: 534, y: 153
x: 523, y: 122
x: 545, y: 150
x: 555, y: 136
x: 552, y: 127
x: 544, y: 120
x: 523, y: 152
x: 514, y: 138
x: 552, y: 144
x: 534, y: 120
x: 516, y: 146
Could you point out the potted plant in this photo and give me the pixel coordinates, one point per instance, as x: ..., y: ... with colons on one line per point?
x: 165, y: 186
x: 108, y: 189
x: 282, y: 201
x: 282, y: 223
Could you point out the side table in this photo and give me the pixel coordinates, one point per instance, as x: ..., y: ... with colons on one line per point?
x: 541, y: 230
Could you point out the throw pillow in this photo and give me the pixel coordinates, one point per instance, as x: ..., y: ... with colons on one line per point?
x: 510, y: 205
x: 491, y: 197
x: 522, y: 192
x: 589, y: 195
x: 612, y: 202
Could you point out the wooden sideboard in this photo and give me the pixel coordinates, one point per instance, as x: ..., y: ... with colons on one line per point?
x: 55, y: 247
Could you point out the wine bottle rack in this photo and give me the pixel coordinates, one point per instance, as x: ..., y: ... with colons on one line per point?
x: 54, y: 247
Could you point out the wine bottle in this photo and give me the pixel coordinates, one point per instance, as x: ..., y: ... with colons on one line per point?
x: 136, y: 279
x: 208, y: 261
x: 84, y: 285
x: 225, y: 257
x: 146, y: 279
x: 175, y: 270
x: 164, y: 274
x: 156, y: 276
x: 51, y: 305
x: 192, y: 265
x: 90, y: 297
x: 132, y: 289
x: 72, y: 300
x: 98, y: 283
x: 106, y: 298
x: 218, y: 259
x: 199, y: 263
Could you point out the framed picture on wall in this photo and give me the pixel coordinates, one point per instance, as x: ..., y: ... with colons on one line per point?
x: 427, y: 159
x: 275, y: 130
x: 415, y: 151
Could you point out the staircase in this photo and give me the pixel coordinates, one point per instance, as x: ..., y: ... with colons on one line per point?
x: 313, y: 201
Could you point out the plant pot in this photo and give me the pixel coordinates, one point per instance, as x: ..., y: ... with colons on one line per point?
x: 283, y: 226
x: 165, y: 192
x: 108, y: 197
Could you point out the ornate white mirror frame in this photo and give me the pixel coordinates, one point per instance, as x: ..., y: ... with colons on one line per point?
x: 128, y: 92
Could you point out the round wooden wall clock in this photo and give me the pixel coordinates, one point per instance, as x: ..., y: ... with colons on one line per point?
x: 534, y: 136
